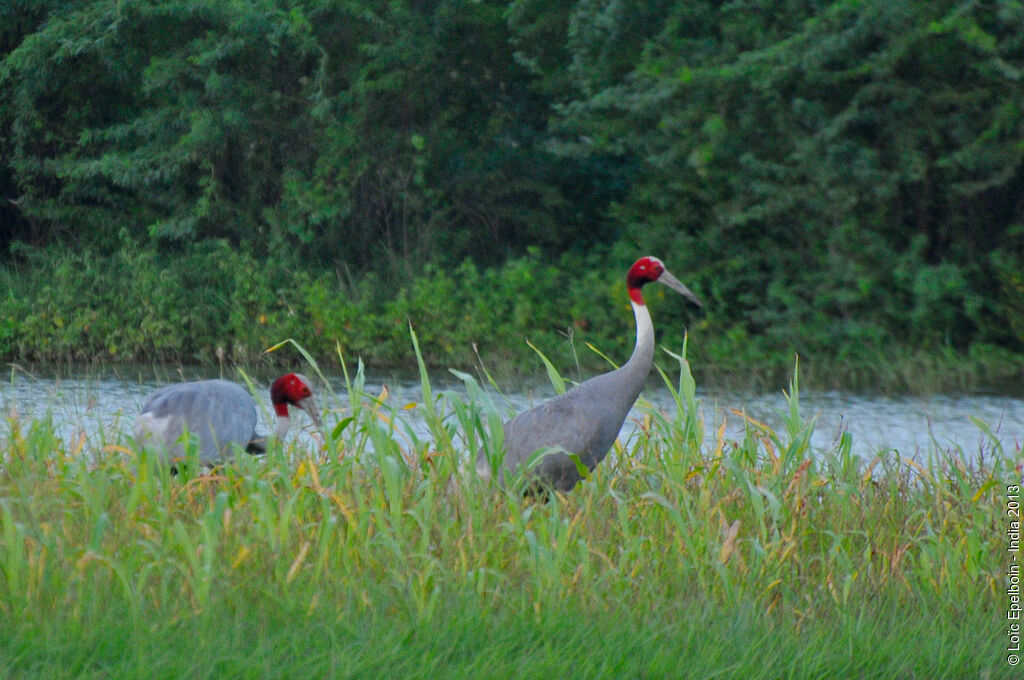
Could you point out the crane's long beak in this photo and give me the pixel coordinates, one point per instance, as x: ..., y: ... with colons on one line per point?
x: 309, y: 406
x: 673, y: 283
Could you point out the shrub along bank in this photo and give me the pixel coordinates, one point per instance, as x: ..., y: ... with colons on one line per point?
x: 212, y: 303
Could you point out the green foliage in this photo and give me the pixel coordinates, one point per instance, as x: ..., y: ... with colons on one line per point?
x: 464, y: 313
x: 136, y: 305
x: 170, y: 117
x: 841, y: 170
x: 210, y: 303
x: 836, y: 179
x: 345, y: 132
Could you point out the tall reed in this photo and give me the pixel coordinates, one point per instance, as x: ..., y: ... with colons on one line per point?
x: 381, y: 553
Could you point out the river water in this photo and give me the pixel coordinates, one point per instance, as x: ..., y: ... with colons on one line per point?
x: 98, y: 404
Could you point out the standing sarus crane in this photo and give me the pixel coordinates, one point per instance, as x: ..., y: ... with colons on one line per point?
x: 586, y: 420
x: 221, y: 413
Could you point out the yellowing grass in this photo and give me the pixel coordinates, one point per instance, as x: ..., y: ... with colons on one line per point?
x: 686, y: 555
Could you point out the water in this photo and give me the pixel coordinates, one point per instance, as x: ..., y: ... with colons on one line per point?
x: 91, y: 408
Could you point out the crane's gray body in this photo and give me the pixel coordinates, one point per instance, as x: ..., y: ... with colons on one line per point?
x: 584, y: 421
x: 220, y: 413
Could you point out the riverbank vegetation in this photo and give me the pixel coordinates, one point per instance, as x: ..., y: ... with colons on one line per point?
x: 195, y: 179
x: 382, y: 555
x: 211, y: 304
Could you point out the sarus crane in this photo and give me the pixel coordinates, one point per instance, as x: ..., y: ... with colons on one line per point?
x: 221, y: 414
x: 583, y: 423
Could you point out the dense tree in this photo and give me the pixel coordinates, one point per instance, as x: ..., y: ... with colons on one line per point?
x: 171, y: 117
x: 831, y: 174
x: 346, y: 130
x: 853, y: 168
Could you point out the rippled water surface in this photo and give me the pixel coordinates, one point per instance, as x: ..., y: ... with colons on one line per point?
x: 99, y: 405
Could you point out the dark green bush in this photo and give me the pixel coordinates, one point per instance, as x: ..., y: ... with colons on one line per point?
x: 209, y: 302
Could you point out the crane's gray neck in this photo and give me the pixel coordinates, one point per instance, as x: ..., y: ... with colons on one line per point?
x: 283, y: 423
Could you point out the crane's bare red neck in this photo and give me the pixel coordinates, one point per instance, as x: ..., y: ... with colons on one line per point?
x: 288, y: 389
x: 643, y: 271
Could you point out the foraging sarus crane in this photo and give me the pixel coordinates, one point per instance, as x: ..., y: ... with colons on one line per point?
x: 221, y: 414
x: 586, y: 420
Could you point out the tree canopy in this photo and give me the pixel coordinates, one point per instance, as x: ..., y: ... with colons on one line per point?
x: 826, y: 173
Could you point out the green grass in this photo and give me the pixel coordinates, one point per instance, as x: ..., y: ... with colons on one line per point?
x: 383, y: 556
